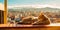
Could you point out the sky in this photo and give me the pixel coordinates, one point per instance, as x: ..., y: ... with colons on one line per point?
x: 1, y: 4
x: 1, y: 1
x: 34, y: 3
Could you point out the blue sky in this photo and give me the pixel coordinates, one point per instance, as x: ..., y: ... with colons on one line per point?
x: 13, y: 2
x: 34, y: 2
x: 1, y: 1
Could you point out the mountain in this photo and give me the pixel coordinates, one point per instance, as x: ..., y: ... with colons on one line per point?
x: 33, y: 9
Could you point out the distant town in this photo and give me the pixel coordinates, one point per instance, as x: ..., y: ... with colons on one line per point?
x: 19, y: 14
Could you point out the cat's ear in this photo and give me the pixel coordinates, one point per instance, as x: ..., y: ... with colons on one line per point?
x: 41, y: 13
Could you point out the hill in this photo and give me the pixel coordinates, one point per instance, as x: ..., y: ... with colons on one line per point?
x: 34, y: 9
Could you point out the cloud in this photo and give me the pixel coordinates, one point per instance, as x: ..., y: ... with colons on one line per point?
x: 36, y: 6
x: 1, y: 6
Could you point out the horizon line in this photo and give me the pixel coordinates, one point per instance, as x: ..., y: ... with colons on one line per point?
x: 34, y: 6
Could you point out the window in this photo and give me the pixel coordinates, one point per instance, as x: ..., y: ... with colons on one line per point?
x: 33, y: 12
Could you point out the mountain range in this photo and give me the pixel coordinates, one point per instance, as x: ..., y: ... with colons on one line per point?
x: 33, y: 9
